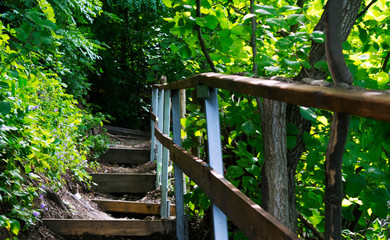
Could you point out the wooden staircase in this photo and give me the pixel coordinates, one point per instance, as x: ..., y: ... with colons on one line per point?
x: 121, y: 183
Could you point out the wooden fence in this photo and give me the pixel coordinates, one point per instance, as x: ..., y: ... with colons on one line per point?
x: 228, y: 200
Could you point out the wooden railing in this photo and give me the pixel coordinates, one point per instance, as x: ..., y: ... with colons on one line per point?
x: 227, y: 199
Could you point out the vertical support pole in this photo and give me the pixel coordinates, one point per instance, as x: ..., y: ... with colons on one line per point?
x: 159, y: 145
x: 165, y: 205
x: 215, y: 157
x: 181, y: 223
x: 152, y: 123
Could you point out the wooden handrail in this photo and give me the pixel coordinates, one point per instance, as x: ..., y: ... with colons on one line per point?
x: 243, y: 212
x: 363, y: 103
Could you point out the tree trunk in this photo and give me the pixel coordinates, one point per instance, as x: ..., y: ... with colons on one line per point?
x: 274, y: 180
x: 317, y: 53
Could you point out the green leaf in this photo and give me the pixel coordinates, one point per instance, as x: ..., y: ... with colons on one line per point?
x: 273, y: 69
x: 264, y: 60
x: 204, y: 202
x: 248, y: 127
x: 254, y: 170
x: 173, y: 48
x: 235, y: 171
x: 284, y: 43
x: 266, y: 10
x: 321, y: 65
x: 354, y: 185
x: 215, y: 57
x: 383, y: 78
x: 307, y: 113
x: 206, y: 4
x: 250, y: 15
x: 249, y: 183
x: 292, y: 64
x: 277, y: 22
x: 316, y: 218
x: 318, y: 36
x: 288, y: 8
x: 211, y: 21
x: 240, y: 30
x: 363, y: 35
x: 295, y: 18
x: 185, y: 51
x: 167, y: 3
x: 225, y: 33
x: 15, y: 226
x: 5, y: 107
x: 306, y: 65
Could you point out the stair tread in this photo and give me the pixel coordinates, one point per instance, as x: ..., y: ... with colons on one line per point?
x: 120, y: 206
x: 112, y: 227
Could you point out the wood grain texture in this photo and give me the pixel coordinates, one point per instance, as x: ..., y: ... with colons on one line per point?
x: 370, y: 104
x: 120, y: 227
x: 243, y: 212
x: 118, y: 206
x: 123, y: 183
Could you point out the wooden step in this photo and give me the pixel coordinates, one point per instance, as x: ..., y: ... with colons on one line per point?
x: 116, y: 227
x: 131, y: 156
x: 127, y: 131
x: 117, y: 206
x: 123, y: 183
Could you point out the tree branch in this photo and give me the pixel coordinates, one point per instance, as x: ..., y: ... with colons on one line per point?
x: 310, y: 226
x: 201, y: 40
x: 333, y: 44
x: 366, y: 9
x: 253, y: 37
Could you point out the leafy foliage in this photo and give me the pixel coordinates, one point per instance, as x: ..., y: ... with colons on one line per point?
x: 284, y: 35
x: 43, y: 132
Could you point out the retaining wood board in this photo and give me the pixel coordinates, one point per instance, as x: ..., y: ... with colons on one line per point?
x: 118, y: 206
x: 131, y: 156
x: 123, y: 183
x: 132, y: 132
x: 116, y: 227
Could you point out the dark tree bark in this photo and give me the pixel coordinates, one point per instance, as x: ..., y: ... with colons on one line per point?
x: 274, y: 180
x: 317, y: 53
x: 340, y: 124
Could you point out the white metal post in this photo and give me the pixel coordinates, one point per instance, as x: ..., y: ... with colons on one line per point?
x: 165, y: 204
x: 152, y: 123
x: 215, y: 157
x: 181, y: 223
x: 159, y: 145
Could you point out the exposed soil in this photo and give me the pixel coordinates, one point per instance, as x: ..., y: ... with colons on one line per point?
x: 76, y: 198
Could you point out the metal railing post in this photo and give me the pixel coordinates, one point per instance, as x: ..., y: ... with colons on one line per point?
x: 165, y: 204
x: 159, y: 126
x: 215, y: 157
x: 181, y: 222
x: 152, y: 123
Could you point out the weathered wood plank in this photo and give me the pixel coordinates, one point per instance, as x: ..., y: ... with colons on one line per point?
x: 127, y: 131
x: 118, y: 206
x: 132, y: 156
x: 243, y: 212
x: 370, y: 104
x: 123, y: 183
x: 117, y: 227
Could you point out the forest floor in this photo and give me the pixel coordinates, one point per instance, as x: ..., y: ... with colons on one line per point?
x: 74, y: 200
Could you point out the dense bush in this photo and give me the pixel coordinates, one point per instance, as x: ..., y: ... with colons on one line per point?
x: 44, y: 132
